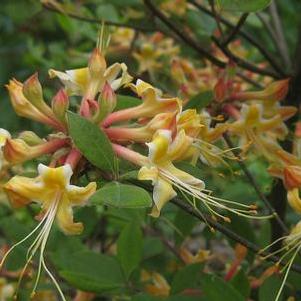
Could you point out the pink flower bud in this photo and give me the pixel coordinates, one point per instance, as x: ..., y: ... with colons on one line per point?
x: 275, y: 91
x: 220, y: 90
x: 60, y: 104
x: 107, y: 102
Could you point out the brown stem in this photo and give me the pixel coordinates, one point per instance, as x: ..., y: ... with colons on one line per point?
x: 99, y: 21
x: 254, y: 184
x: 236, y: 29
x: 192, y: 43
x: 243, y: 63
x: 248, y: 37
x: 230, y: 234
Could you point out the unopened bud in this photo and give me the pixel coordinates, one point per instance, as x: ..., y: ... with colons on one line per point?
x: 60, y: 105
x: 292, y: 176
x: 30, y: 138
x: 107, y: 102
x: 97, y: 64
x: 32, y: 90
x: 220, y: 90
x: 275, y: 91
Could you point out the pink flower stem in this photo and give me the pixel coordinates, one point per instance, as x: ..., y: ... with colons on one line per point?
x: 73, y: 158
x: 129, y: 155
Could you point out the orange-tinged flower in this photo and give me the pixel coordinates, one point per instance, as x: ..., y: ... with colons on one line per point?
x: 253, y: 128
x: 24, y: 108
x: 17, y: 150
x: 158, y: 285
x: 275, y: 91
x: 153, y: 104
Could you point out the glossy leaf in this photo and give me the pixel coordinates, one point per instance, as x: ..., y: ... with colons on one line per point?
x: 186, y: 278
x: 92, y: 272
x: 129, y: 247
x: 215, y: 288
x: 92, y: 142
x: 122, y: 196
x: 200, y: 101
x: 243, y: 5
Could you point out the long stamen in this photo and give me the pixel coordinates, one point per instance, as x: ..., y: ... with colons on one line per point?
x: 287, y: 272
x: 44, y: 241
x: 209, y: 201
x: 48, y: 220
x: 21, y: 241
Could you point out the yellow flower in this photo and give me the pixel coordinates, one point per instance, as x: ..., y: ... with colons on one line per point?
x: 17, y: 150
x: 163, y: 173
x: 165, y: 176
x: 253, y: 128
x: 53, y: 191
x: 82, y: 82
x: 158, y: 285
x: 4, y: 135
x: 26, y: 109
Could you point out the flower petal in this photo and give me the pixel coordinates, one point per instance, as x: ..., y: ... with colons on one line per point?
x: 163, y: 192
x: 22, y: 191
x: 64, y: 218
x: 79, y: 195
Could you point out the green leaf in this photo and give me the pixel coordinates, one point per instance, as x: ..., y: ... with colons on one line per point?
x: 216, y: 289
x: 125, y: 102
x: 186, y: 278
x: 241, y: 282
x: 129, y: 247
x: 122, y: 196
x: 200, y: 100
x: 89, y: 271
x: 92, y: 142
x: 107, y: 12
x: 269, y: 289
x: 245, y: 6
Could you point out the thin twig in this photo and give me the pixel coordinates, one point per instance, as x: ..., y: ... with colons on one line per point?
x: 254, y: 183
x: 248, y: 37
x: 243, y: 63
x: 250, y: 80
x: 166, y: 242
x: 191, y: 42
x: 229, y: 233
x: 236, y: 29
x: 216, y: 17
x: 97, y: 21
x: 183, y: 35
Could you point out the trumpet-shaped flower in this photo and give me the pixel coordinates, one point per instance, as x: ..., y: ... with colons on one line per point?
x: 153, y: 104
x: 81, y: 82
x: 24, y: 108
x: 253, y: 128
x: 165, y: 176
x: 52, y: 190
x: 17, y: 150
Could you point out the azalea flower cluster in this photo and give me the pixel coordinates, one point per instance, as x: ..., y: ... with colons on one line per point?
x: 161, y: 125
